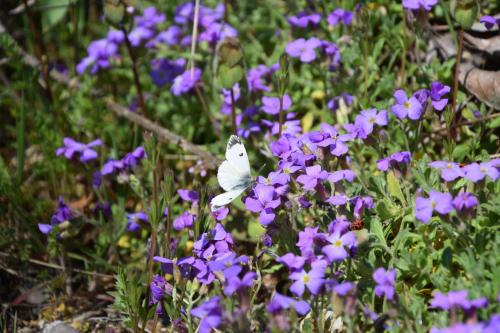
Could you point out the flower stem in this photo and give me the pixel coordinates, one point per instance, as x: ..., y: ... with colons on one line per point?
x: 39, y: 51
x: 137, y: 82
x: 460, y: 42
x: 233, y: 111
x: 282, y: 116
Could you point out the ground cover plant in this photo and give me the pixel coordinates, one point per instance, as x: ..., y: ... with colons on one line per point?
x: 370, y: 131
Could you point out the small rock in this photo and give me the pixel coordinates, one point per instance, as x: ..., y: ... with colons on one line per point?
x: 59, y: 327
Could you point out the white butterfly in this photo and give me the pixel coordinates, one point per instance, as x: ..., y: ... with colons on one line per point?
x: 233, y: 174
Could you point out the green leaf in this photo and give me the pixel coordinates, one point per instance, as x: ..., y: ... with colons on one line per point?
x: 377, y: 230
x: 394, y: 188
x: 53, y: 11
x: 465, y: 12
x: 229, y: 76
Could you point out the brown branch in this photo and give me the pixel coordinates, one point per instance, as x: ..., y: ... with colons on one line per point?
x: 467, y: 123
x: 163, y: 134
x: 59, y: 267
x: 137, y: 82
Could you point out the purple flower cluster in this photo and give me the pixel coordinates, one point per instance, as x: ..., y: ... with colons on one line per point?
x: 62, y: 214
x: 311, y: 20
x: 443, y: 203
x: 414, y: 106
x: 396, y: 160
x: 125, y: 164
x: 73, y: 148
x: 164, y: 71
x: 340, y: 15
x: 210, y: 313
x: 100, y: 52
x: 304, y: 20
x: 211, y: 26
x: 474, y: 172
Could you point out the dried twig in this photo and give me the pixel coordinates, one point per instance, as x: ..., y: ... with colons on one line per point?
x: 59, y: 267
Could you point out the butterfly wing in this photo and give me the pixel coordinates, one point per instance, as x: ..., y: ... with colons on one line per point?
x: 229, y: 176
x: 225, y: 198
x: 236, y: 154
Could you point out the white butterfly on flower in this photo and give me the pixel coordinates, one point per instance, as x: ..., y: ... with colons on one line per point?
x: 233, y: 174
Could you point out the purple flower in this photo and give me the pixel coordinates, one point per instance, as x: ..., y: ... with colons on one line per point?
x: 171, y: 36
x: 489, y: 21
x: 344, y: 288
x: 449, y: 170
x: 336, y: 251
x: 303, y: 49
x: 465, y: 202
x: 334, y: 103
x: 313, y: 280
x: 368, y: 118
x: 307, y: 239
x: 255, y: 78
x: 313, y: 175
x: 339, y: 15
x: 127, y: 163
x: 292, y: 261
x: 406, y: 107
x: 189, y: 195
x: 228, y: 264
x: 454, y: 299
x: 263, y: 203
x: 235, y: 284
x: 395, y: 160
x: 185, y: 220
x: 280, y: 302
x: 186, y: 82
x: 303, y: 20
x: 220, y: 213
x: 134, y: 220
x: 438, y: 90
x: 159, y: 287
x: 384, y: 282
x: 150, y: 18
x: 63, y: 213
x: 216, y: 32
x: 99, y: 53
x: 72, y: 147
x: 478, y: 171
x: 360, y: 203
x: 339, y: 175
x: 167, y: 265
x: 271, y: 105
x: 416, y: 4
x: 437, y: 201
x: 164, y: 71
x: 210, y: 314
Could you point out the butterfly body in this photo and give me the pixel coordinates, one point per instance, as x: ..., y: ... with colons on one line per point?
x: 233, y: 174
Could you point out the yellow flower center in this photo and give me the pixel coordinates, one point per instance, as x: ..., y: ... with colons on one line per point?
x: 371, y: 120
x: 433, y: 204
x: 228, y: 264
x: 483, y: 170
x: 338, y: 243
x: 407, y: 104
x: 306, y: 278
x: 449, y: 166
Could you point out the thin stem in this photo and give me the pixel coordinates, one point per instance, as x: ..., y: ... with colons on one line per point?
x: 205, y: 108
x: 137, y: 82
x: 39, y: 51
x: 282, y: 116
x: 233, y: 111
x: 460, y: 37
x: 194, y: 36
